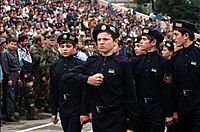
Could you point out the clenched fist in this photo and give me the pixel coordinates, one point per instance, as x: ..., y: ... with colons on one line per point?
x: 96, y: 80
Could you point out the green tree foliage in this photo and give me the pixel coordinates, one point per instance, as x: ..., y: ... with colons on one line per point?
x: 140, y: 2
x: 180, y: 9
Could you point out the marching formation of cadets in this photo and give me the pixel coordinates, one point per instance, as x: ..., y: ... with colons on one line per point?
x: 110, y: 70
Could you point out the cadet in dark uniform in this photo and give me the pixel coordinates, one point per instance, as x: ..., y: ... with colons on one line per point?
x: 66, y: 98
x: 153, y: 83
x: 110, y: 80
x: 186, y: 76
x: 168, y: 49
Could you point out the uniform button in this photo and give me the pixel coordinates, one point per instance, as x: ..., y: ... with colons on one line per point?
x: 185, y: 64
x: 101, y: 69
x: 104, y: 64
x: 186, y: 55
x: 64, y: 69
x: 147, y: 60
x: 65, y: 64
x: 146, y: 70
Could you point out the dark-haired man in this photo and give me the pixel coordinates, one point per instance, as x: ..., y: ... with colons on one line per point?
x: 66, y: 98
x: 186, y: 74
x: 26, y: 92
x: 110, y: 82
x: 153, y: 81
x: 10, y: 67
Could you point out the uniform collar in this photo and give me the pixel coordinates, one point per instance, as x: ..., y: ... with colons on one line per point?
x: 152, y: 53
x: 189, y: 47
x: 108, y: 57
x: 68, y: 58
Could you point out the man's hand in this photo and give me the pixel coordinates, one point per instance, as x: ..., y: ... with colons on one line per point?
x: 25, y: 76
x: 10, y: 82
x: 95, y: 80
x: 90, y: 117
x: 44, y: 79
x: 29, y: 84
x: 84, y: 119
x: 19, y: 83
x: 129, y: 131
x: 175, y: 116
x: 54, y: 119
x: 169, y: 121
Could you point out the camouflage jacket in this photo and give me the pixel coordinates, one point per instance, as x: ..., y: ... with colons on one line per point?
x: 36, y: 53
x: 49, y: 55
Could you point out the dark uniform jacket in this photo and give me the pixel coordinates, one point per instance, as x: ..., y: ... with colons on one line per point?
x: 186, y: 74
x: 114, y: 101
x: 153, y: 84
x: 65, y: 97
x: 9, y: 63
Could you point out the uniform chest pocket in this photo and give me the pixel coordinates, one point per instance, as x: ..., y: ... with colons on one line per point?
x: 195, y: 65
x: 91, y: 70
x: 111, y: 72
x: 155, y: 72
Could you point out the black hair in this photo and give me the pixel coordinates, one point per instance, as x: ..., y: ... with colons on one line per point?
x: 151, y: 39
x: 22, y: 37
x: 191, y: 33
x: 11, y: 39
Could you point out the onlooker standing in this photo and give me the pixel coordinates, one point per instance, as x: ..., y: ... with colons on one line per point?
x: 36, y: 54
x: 10, y: 67
x: 1, y: 78
x: 49, y: 55
x: 27, y: 93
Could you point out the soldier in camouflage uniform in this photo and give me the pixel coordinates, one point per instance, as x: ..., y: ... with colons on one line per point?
x: 26, y: 76
x: 49, y: 55
x: 36, y: 53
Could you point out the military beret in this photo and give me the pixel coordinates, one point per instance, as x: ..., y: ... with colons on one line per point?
x: 67, y: 37
x: 105, y: 28
x: 169, y: 45
x: 153, y: 32
x: 138, y: 39
x: 182, y: 24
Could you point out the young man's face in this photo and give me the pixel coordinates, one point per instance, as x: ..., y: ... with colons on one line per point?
x: 138, y: 49
x: 117, y: 48
x: 106, y: 43
x: 12, y: 45
x: 178, y: 38
x: 90, y: 48
x: 145, y: 44
x: 24, y: 43
x: 67, y: 49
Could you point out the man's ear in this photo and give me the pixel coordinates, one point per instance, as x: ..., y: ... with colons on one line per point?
x: 186, y: 35
x: 153, y: 42
x: 116, y: 41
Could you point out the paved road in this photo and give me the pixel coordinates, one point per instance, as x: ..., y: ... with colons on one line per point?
x: 43, y: 124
